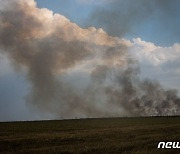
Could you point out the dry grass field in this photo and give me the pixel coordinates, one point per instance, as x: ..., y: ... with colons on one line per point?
x: 105, y: 135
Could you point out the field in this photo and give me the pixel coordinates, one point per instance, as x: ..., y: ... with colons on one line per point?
x: 106, y: 135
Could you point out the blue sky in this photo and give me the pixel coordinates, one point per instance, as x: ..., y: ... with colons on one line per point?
x: 76, y: 12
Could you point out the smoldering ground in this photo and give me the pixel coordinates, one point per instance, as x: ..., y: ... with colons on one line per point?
x: 49, y: 47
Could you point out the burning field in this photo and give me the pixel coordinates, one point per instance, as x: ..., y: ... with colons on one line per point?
x: 52, y: 67
x: 55, y: 68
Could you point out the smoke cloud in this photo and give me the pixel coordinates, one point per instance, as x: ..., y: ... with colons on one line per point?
x: 48, y: 46
x: 120, y: 17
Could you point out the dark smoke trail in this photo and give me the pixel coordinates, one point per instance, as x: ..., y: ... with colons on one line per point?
x: 49, y: 46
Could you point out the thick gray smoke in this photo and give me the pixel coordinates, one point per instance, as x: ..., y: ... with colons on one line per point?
x: 48, y: 46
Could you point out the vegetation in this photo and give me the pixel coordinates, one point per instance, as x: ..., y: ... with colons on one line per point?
x: 107, y: 135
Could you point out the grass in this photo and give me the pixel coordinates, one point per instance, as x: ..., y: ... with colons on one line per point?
x: 107, y: 135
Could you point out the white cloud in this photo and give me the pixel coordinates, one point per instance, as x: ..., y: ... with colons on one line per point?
x: 160, y: 63
x: 156, y: 55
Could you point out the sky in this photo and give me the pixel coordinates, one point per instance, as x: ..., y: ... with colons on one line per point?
x: 160, y: 26
x: 51, y: 57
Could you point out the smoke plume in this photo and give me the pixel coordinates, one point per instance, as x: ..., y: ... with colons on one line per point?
x: 48, y: 46
x: 120, y: 17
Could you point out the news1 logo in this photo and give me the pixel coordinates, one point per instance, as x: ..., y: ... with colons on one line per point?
x: 169, y: 145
